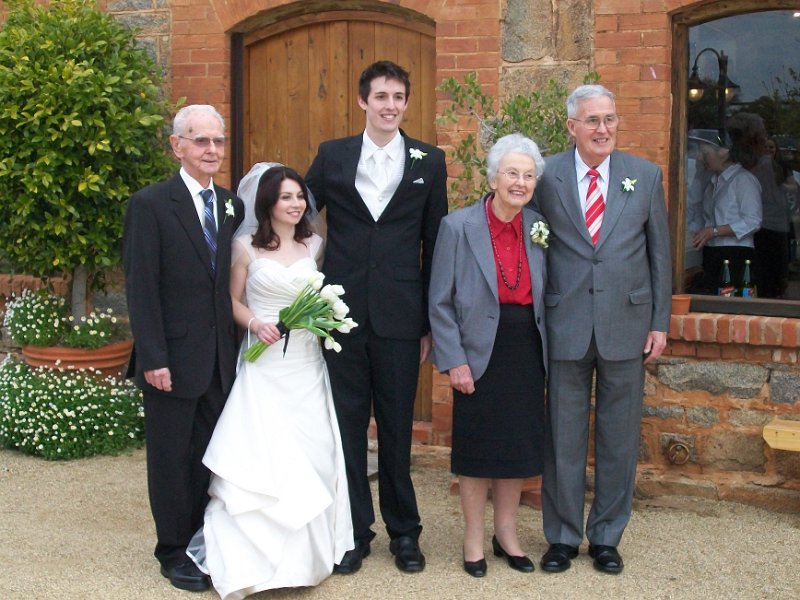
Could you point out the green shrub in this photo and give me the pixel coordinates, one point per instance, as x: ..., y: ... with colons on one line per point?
x: 60, y: 415
x: 82, y: 126
x: 540, y: 115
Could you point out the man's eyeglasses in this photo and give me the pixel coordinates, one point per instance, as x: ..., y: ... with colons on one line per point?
x: 205, y: 142
x: 516, y: 176
x: 610, y: 121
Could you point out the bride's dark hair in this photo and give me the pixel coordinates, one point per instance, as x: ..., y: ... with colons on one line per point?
x: 269, y: 190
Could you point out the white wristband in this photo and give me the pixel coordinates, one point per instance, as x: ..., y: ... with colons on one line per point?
x: 250, y: 323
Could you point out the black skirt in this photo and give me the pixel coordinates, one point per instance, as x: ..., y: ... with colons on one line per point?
x: 498, y: 431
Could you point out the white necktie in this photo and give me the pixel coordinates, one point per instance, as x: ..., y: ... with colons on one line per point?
x: 380, y: 177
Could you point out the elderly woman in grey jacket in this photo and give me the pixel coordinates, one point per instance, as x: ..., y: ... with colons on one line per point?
x: 487, y: 318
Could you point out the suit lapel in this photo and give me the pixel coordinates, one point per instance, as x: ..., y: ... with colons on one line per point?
x: 187, y: 216
x: 476, y: 230
x: 569, y: 195
x: 351, y: 153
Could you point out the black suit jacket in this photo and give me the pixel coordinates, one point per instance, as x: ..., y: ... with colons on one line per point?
x: 384, y: 266
x: 180, y: 312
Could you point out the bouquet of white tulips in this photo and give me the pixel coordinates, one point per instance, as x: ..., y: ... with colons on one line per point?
x: 316, y: 309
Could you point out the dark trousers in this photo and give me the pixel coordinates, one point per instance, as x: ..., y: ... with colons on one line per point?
x: 372, y: 372
x: 772, y: 262
x: 177, y: 432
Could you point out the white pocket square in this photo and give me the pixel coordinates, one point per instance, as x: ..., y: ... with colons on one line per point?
x: 420, y: 180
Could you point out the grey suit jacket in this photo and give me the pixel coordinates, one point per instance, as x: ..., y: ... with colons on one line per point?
x: 621, y: 288
x: 464, y: 306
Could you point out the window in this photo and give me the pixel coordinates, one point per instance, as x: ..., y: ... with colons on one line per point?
x: 739, y: 145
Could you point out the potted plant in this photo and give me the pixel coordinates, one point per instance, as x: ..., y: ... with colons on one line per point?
x: 82, y: 127
x: 39, y: 321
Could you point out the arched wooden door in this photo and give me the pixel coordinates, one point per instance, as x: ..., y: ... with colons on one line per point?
x: 301, y: 76
x: 299, y: 88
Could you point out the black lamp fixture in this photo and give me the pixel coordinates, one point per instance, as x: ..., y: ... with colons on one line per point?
x: 696, y: 86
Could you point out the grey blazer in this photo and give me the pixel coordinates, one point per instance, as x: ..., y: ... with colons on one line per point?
x: 619, y: 289
x: 464, y: 305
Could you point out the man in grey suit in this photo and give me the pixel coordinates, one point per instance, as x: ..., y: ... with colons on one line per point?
x: 608, y: 307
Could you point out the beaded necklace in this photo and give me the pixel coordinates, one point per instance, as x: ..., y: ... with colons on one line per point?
x: 497, y: 256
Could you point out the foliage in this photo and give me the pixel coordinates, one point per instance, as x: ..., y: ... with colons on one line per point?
x: 41, y: 319
x: 540, y: 115
x: 82, y: 126
x: 60, y: 415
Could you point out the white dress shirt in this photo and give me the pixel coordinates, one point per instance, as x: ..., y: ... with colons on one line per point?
x: 734, y: 199
x: 376, y: 188
x: 582, y: 170
x: 194, y: 189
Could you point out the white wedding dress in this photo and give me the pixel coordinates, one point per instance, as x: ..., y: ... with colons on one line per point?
x: 279, y: 514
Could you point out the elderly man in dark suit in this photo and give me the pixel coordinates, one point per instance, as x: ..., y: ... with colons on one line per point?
x: 176, y: 252
x: 385, y: 194
x: 608, y: 305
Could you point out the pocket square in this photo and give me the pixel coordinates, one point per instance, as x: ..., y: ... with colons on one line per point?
x: 420, y: 180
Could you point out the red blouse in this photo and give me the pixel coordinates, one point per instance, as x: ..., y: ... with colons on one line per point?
x: 509, y: 251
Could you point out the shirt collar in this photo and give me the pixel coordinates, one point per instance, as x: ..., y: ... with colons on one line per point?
x: 498, y: 225
x: 582, y: 168
x: 194, y: 186
x: 394, y: 149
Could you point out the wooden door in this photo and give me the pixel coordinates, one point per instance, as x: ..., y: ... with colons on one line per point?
x: 300, y: 88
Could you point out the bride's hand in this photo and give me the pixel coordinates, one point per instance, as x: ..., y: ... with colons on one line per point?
x: 268, y: 333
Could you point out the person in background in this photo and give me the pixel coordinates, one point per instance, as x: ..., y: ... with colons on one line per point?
x: 486, y: 308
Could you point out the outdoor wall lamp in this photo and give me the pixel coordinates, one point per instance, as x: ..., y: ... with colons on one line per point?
x: 696, y: 86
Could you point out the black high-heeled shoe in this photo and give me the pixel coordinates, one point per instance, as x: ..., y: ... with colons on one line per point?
x: 476, y: 568
x: 519, y: 563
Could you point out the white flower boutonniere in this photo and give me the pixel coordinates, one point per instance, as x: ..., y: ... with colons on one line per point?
x: 229, y: 212
x: 540, y: 234
x: 416, y: 154
x: 627, y: 184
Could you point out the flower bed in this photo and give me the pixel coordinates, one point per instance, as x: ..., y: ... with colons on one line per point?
x: 60, y: 415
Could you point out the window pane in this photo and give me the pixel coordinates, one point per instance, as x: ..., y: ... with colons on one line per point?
x: 743, y: 161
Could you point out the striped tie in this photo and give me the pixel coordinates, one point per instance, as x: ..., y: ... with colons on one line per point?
x: 594, y: 206
x: 210, y: 226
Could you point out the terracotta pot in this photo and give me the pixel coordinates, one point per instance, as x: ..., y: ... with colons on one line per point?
x: 681, y: 304
x: 109, y: 360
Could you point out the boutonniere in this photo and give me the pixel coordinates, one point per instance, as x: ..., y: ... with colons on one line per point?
x: 540, y: 234
x: 229, y: 212
x: 627, y: 184
x: 416, y: 154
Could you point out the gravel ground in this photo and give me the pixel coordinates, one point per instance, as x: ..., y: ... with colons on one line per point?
x: 82, y: 529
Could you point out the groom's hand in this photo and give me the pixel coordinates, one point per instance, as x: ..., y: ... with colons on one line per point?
x: 425, y: 343
x: 161, y: 379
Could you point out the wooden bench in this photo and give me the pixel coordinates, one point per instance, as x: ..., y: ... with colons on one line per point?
x: 782, y: 434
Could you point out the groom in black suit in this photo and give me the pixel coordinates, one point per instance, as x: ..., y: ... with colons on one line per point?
x: 177, y: 254
x: 385, y: 194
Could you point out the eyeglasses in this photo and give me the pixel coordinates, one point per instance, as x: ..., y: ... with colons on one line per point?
x: 610, y: 121
x: 205, y: 142
x: 516, y: 176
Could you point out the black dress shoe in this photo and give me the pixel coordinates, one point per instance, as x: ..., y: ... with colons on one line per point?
x: 520, y: 563
x: 557, y: 558
x: 351, y: 561
x: 186, y: 576
x: 407, y: 555
x: 476, y: 568
x: 606, y: 559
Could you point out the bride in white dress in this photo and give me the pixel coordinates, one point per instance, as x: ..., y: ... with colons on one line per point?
x: 279, y: 514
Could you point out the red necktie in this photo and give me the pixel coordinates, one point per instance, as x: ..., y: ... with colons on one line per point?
x: 594, y: 206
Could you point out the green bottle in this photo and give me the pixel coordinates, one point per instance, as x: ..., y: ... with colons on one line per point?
x: 726, y: 287
x: 748, y: 289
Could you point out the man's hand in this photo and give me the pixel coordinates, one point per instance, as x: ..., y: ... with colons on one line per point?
x: 161, y: 379
x: 654, y: 345
x: 461, y: 379
x: 425, y: 344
